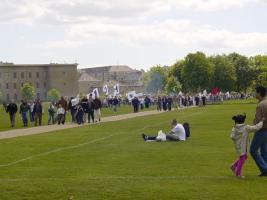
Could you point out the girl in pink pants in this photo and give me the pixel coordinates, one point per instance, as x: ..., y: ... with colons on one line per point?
x: 239, y: 136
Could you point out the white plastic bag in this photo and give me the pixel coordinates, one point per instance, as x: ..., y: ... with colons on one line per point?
x: 161, y: 136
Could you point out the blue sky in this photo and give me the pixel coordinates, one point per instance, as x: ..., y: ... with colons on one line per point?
x: 138, y: 33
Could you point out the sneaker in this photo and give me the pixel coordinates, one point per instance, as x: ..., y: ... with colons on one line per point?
x: 232, y: 168
x: 144, y: 136
x: 241, y: 177
x: 263, y: 174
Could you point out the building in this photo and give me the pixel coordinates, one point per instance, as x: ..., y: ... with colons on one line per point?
x: 43, y: 77
x: 128, y: 79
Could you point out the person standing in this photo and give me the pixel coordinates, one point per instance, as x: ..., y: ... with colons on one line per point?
x: 159, y: 104
x: 60, y: 114
x: 90, y: 109
x: 115, y: 104
x: 169, y: 102
x: 84, y: 103
x: 97, y: 108
x: 258, y: 148
x: 23, y: 111
x: 51, y: 114
x: 31, y: 113
x: 164, y: 103
x: 135, y: 103
x: 203, y: 100
x: 64, y: 105
x: 12, y: 109
x: 38, y: 111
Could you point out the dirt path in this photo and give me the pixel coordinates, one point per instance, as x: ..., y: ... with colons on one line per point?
x: 50, y: 128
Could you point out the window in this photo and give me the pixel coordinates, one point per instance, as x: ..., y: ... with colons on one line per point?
x: 15, y: 97
x: 37, y: 74
x: 30, y: 74
x: 6, y: 85
x: 44, y: 84
x: 15, y: 86
x: 37, y: 85
x: 64, y: 84
x: 22, y: 75
x: 64, y: 73
x: 21, y: 84
x: 14, y: 75
x: 38, y: 95
x: 7, y: 96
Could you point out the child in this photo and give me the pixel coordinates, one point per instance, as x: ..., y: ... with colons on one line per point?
x: 60, y: 114
x: 239, y: 136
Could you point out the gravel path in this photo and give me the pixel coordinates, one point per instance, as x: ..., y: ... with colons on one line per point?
x: 50, y: 128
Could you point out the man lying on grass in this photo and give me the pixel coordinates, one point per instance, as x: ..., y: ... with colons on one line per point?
x: 178, y: 132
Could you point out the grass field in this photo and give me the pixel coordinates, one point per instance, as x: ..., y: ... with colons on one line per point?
x: 5, y: 122
x: 110, y: 161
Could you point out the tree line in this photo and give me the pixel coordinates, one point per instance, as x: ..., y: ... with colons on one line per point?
x: 197, y: 72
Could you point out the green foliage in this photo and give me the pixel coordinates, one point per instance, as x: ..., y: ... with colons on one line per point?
x: 53, y: 95
x: 198, y: 71
x: 156, y: 79
x: 173, y: 85
x: 224, y: 74
x: 244, y: 72
x: 27, y: 92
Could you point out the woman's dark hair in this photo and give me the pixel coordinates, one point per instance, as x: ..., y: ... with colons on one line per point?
x: 239, y: 119
x: 261, y: 90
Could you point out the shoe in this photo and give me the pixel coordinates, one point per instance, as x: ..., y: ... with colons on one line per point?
x: 241, y: 177
x: 232, y: 168
x: 263, y: 174
x: 144, y: 136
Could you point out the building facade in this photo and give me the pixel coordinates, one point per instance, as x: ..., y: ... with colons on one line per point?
x: 43, y: 77
x: 128, y: 79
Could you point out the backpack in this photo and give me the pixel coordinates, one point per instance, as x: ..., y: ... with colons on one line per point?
x: 187, y: 129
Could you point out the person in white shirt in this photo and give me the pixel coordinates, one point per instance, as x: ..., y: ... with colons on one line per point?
x: 60, y: 114
x: 177, y: 133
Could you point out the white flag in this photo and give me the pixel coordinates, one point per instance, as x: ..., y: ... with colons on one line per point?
x: 116, y: 89
x: 105, y: 89
x: 95, y: 93
x: 131, y: 95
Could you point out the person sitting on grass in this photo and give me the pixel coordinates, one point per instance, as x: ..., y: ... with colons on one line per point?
x: 60, y: 114
x: 177, y: 133
x: 239, y: 136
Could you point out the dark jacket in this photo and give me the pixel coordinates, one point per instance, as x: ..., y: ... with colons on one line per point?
x: 12, y: 108
x: 97, y: 104
x: 24, y: 107
x: 38, y: 108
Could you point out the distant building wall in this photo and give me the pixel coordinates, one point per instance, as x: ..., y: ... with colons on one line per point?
x: 41, y: 77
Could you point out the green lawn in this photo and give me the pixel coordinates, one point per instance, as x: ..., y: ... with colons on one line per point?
x: 5, y: 122
x: 110, y: 161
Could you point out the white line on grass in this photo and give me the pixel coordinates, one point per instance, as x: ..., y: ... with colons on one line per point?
x: 77, y: 146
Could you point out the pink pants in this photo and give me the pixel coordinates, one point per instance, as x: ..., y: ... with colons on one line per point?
x: 238, y: 164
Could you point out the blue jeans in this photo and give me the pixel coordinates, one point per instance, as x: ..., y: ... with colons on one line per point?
x: 258, y: 149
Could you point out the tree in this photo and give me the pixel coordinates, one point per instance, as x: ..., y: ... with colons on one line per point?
x: 245, y: 74
x: 53, y: 95
x: 173, y: 85
x: 259, y: 63
x: 197, y: 72
x: 27, y: 92
x: 224, y: 74
x: 156, y: 79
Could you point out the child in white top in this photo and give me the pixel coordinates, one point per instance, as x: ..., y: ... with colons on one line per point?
x: 60, y: 114
x: 239, y: 136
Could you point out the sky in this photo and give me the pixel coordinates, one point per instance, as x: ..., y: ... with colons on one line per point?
x: 138, y: 33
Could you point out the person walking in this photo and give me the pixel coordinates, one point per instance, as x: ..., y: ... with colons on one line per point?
x: 97, y: 108
x: 64, y: 105
x: 51, y: 113
x: 258, y: 147
x: 91, y: 109
x: 12, y: 109
x: 115, y: 104
x: 38, y: 111
x: 159, y: 104
x: 23, y: 111
x: 60, y: 114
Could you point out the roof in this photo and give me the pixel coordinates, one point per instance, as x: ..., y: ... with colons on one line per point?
x: 86, y: 77
x: 34, y: 65
x: 112, y: 68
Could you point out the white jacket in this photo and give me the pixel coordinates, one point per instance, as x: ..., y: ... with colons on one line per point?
x: 239, y: 136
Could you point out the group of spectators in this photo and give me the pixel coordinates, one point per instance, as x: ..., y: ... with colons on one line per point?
x: 86, y: 110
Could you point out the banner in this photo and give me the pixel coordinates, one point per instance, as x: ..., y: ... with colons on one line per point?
x: 105, y: 89
x: 95, y: 93
x: 131, y: 95
x: 116, y: 89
